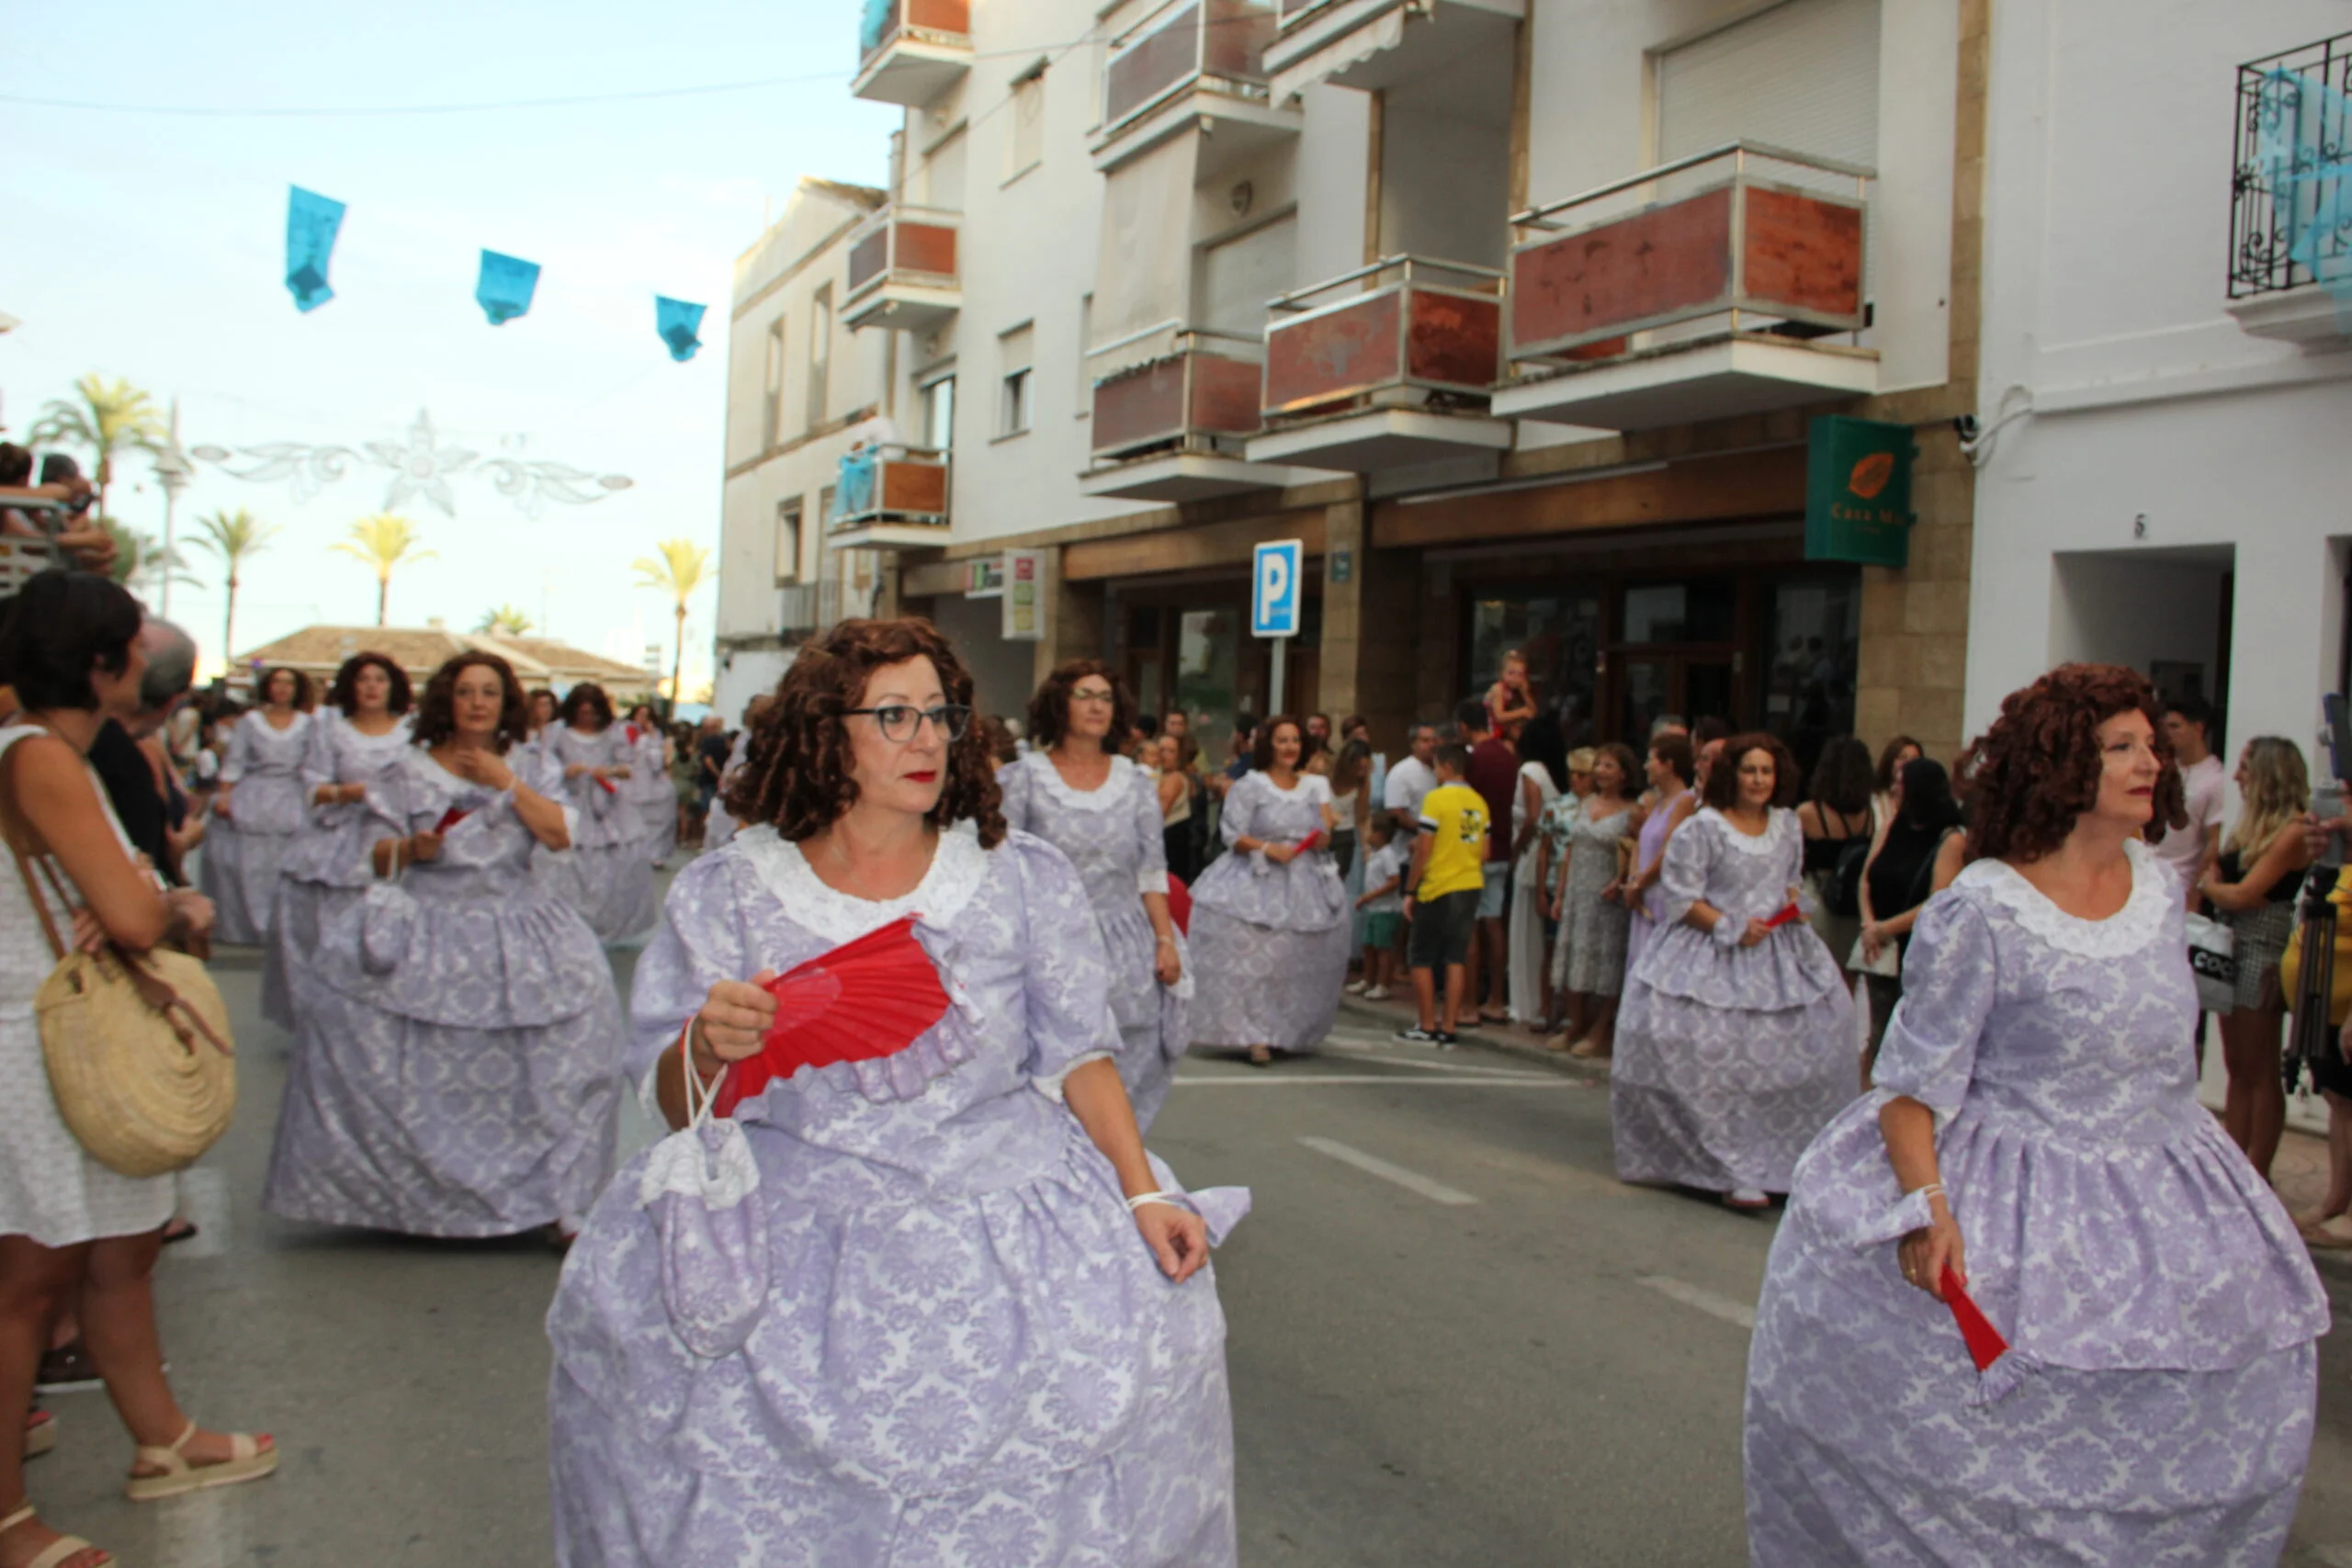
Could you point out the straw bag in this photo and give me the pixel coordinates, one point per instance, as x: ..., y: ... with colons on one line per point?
x: 137, y: 1046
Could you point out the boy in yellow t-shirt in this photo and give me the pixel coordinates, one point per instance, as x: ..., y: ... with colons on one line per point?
x: 1442, y: 893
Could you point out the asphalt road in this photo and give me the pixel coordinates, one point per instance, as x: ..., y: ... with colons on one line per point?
x: 1456, y: 1338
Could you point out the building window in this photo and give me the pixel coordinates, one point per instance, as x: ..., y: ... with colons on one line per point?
x: 787, y: 541
x: 939, y: 414
x: 820, y: 351
x: 825, y: 505
x: 772, y: 431
x: 1014, y: 361
x: 1025, y: 146
x: 1085, y: 367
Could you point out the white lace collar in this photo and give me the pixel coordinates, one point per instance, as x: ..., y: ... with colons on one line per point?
x: 1304, y: 781
x: 1112, y: 792
x: 1769, y: 842
x: 2126, y: 931
x: 399, y: 734
x: 261, y: 722
x: 958, y: 866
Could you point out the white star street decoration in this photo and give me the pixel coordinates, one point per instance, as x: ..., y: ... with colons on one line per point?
x: 421, y: 465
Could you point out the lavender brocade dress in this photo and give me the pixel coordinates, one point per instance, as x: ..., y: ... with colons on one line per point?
x: 1271, y: 940
x: 458, y: 1069
x: 656, y: 797
x: 2156, y: 1404
x: 243, y: 850
x: 606, y: 874
x: 941, y: 1340
x: 1117, y: 839
x: 328, y: 865
x: 1641, y: 925
x: 1729, y: 1059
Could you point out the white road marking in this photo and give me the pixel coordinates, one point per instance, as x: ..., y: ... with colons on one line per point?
x: 1372, y: 1164
x: 1705, y: 1301
x: 1312, y: 1080
x: 1399, y: 1059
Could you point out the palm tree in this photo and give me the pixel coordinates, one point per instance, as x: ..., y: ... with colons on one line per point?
x: 140, y: 562
x: 683, y: 569
x: 384, y: 541
x: 231, y: 536
x: 505, y: 621
x: 110, y: 416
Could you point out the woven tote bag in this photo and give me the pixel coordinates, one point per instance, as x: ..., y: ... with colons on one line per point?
x: 137, y: 1045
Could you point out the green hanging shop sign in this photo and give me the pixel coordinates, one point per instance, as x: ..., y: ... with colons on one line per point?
x: 1858, y: 491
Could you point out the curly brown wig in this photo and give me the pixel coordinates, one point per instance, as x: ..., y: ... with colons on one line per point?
x: 587, y: 695
x: 302, y: 698
x: 344, y: 693
x: 1050, y: 709
x: 1722, y: 788
x: 1262, y: 755
x: 437, y: 719
x: 796, y: 772
x: 2037, y: 769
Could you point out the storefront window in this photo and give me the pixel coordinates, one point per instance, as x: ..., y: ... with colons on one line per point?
x: 1208, y: 648
x: 1704, y: 610
x: 1559, y: 634
x: 1813, y: 635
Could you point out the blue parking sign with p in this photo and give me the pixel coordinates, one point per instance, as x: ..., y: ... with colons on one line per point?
x: 1275, y: 588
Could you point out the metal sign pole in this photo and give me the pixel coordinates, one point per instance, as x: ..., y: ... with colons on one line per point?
x: 1274, y: 693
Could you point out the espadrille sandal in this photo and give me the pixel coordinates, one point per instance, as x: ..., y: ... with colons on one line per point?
x: 59, y: 1551
x: 40, y: 1433
x: 247, y: 1461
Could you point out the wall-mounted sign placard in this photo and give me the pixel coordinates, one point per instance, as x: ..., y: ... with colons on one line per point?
x: 1858, y: 491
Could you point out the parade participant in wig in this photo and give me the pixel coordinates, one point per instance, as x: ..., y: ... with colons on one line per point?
x: 1671, y: 770
x: 457, y: 1070
x: 648, y: 785
x: 2035, y: 1132
x: 1735, y: 1043
x: 1102, y: 811
x: 945, y: 1309
x: 258, y: 809
x: 1269, y: 919
x: 357, y: 744
x: 604, y: 874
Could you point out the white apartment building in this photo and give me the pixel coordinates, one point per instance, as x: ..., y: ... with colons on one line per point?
x: 2166, y: 393
x: 1517, y: 313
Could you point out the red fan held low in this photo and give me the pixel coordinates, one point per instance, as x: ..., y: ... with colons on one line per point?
x: 1312, y: 842
x: 1787, y: 913
x: 864, y: 1000
x: 450, y: 818
x: 1985, y: 1345
x: 605, y: 784
x: 1180, y: 904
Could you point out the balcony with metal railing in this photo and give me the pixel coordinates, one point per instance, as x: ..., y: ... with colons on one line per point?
x: 889, y: 497
x: 1191, y: 62
x: 1385, y: 367
x: 910, y: 51
x: 804, y: 609
x: 1174, y: 407
x: 2290, y: 194
x: 1703, y: 288
x: 1377, y: 45
x: 902, y: 270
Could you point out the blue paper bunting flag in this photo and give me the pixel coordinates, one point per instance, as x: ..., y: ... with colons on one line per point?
x: 678, y: 322
x: 505, y: 286
x: 2301, y: 147
x: 311, y: 223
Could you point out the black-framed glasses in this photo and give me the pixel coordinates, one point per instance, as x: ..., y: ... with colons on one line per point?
x: 897, y: 720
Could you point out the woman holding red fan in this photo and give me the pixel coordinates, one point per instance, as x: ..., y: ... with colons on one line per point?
x: 1271, y: 923
x: 358, y: 743
x: 1734, y: 1041
x: 606, y: 874
x: 1079, y: 794
x: 2034, y: 1158
x: 917, y: 1294
x: 459, y: 1069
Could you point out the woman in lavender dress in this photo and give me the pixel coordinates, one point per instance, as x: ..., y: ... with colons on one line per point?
x: 1668, y: 770
x: 1102, y: 811
x: 457, y: 1072
x: 1734, y: 1040
x: 2035, y: 1128
x: 648, y: 785
x: 258, y: 809
x: 604, y: 874
x: 947, y: 1310
x: 1270, y: 919
x: 358, y: 746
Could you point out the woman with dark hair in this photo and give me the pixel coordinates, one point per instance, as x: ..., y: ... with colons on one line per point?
x: 1181, y: 797
x: 1736, y: 1035
x: 1075, y: 791
x: 649, y: 785
x: 530, y: 756
x: 358, y: 744
x: 73, y: 1234
x: 1916, y: 855
x: 961, y: 1321
x: 459, y: 1070
x: 604, y: 874
x: 1270, y: 919
x: 1837, y: 822
x: 2035, y: 1136
x: 1543, y: 775
x: 259, y: 807
x: 1589, y: 963
x: 1671, y: 772
x: 1891, y: 757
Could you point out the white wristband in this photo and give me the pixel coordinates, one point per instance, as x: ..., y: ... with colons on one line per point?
x: 1173, y: 1200
x: 1727, y: 931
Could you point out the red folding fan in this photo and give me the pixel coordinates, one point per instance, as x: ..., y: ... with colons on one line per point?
x: 450, y: 818
x: 864, y: 1000
x: 1180, y: 904
x: 1985, y: 1345
x: 605, y: 784
x: 1312, y: 842
x: 629, y: 730
x: 1787, y: 913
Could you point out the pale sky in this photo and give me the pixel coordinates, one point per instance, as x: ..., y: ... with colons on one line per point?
x: 151, y: 246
